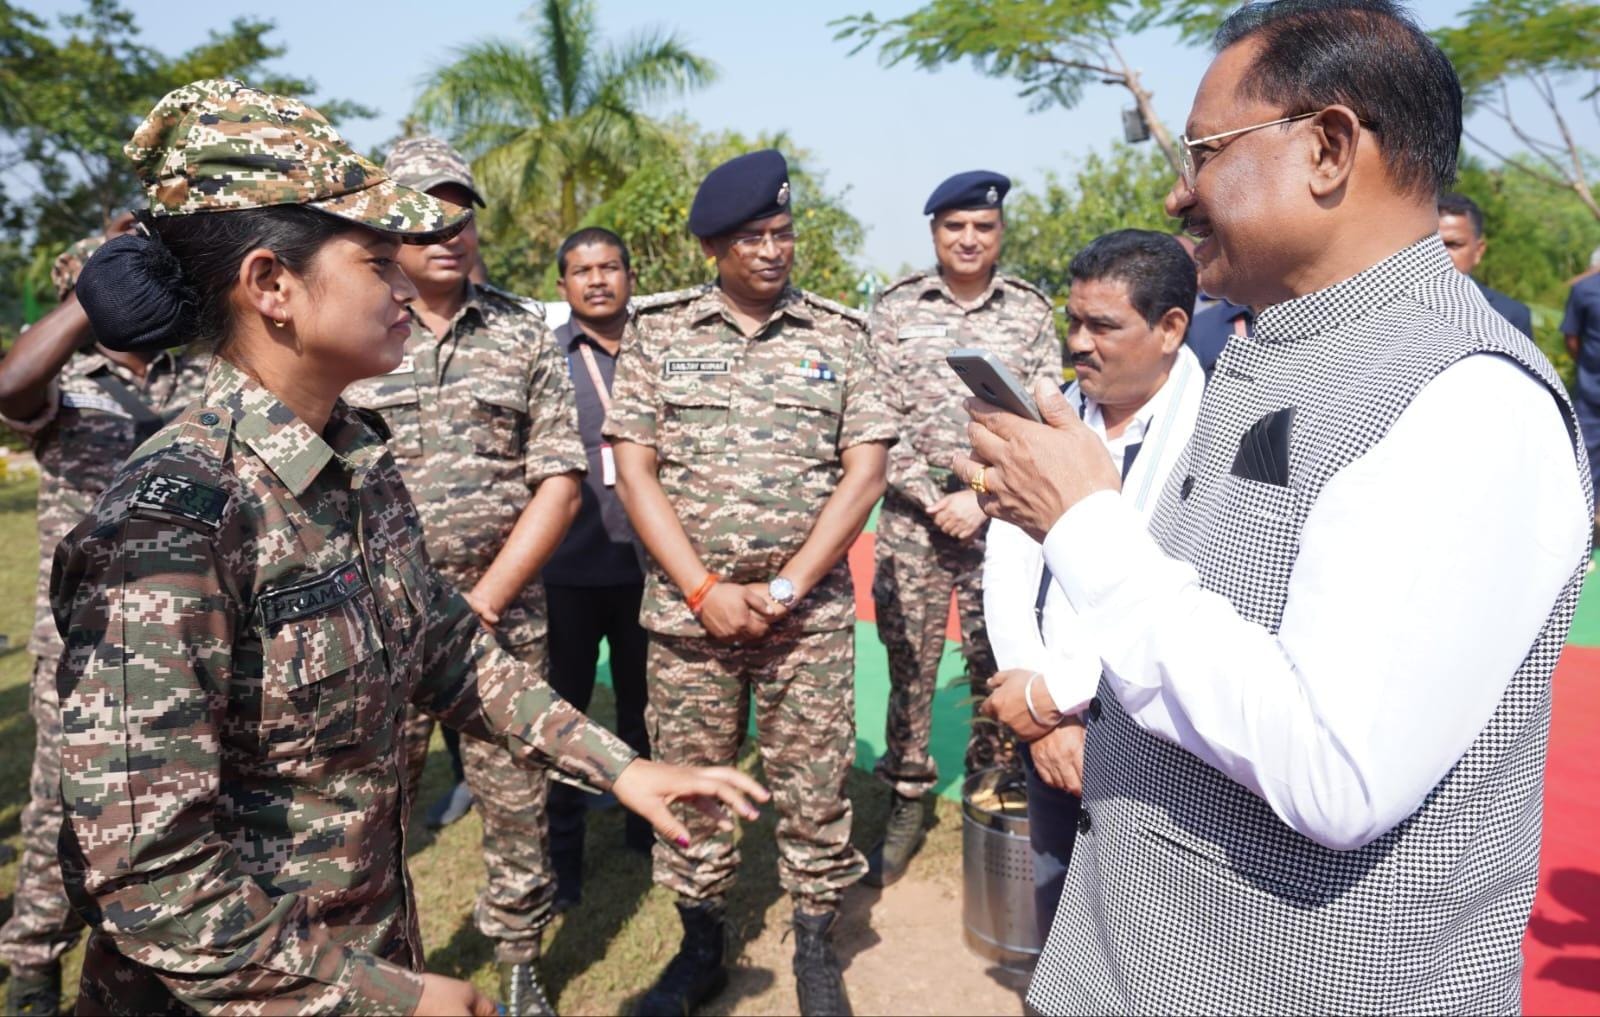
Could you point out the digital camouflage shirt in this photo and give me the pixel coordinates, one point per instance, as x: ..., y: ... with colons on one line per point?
x: 478, y: 417
x: 95, y: 414
x: 748, y: 435
x: 248, y: 610
x: 914, y: 324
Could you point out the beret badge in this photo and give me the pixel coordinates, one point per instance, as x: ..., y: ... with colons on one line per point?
x: 783, y: 193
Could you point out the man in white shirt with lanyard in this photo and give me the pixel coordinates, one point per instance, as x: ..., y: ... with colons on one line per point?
x: 1316, y: 781
x: 1138, y: 389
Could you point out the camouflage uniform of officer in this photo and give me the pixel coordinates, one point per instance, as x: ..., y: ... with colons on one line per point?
x: 748, y: 434
x: 95, y: 414
x: 249, y: 609
x: 915, y: 323
x: 479, y: 417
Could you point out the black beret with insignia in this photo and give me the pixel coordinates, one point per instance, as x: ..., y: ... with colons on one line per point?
x: 973, y: 189
x: 751, y: 186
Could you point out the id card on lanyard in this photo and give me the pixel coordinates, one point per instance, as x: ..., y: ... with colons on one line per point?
x: 608, y: 461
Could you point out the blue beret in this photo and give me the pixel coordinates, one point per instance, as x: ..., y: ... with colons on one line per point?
x: 973, y: 189
x: 751, y: 186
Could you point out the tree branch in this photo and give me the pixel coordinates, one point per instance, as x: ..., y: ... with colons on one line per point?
x: 1533, y: 144
x: 1577, y: 180
x: 1142, y: 99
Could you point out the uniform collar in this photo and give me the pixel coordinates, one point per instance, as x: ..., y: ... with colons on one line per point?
x: 289, y: 448
x: 93, y: 362
x: 710, y: 305
x: 934, y: 282
x: 474, y: 304
x: 1354, y: 298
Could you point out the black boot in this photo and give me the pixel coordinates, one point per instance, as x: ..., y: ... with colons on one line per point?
x: 696, y: 974
x: 817, y: 978
x: 521, y: 992
x: 902, y: 839
x: 33, y: 992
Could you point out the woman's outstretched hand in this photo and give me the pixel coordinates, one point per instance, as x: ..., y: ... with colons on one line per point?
x: 649, y: 788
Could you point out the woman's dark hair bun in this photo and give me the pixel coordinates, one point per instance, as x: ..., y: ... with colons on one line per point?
x: 134, y: 292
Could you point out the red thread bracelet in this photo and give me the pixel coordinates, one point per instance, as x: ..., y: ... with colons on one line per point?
x: 698, y: 598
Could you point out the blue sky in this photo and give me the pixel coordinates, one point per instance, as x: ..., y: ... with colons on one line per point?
x: 884, y: 136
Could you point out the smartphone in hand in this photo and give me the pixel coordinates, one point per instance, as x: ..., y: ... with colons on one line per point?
x: 991, y: 381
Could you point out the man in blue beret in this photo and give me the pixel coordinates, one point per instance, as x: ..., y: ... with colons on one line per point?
x: 930, y: 531
x: 750, y: 430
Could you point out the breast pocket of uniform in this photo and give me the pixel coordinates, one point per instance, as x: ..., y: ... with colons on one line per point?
x: 807, y: 419
x: 324, y: 685
x: 395, y: 399
x: 499, y: 422
x: 694, y: 416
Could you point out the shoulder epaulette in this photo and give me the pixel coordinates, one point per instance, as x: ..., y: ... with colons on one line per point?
x: 671, y: 298
x: 1027, y: 287
x: 182, y: 480
x: 842, y: 310
x: 914, y: 277
x: 528, y: 304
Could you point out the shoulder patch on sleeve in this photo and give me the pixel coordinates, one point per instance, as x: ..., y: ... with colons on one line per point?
x: 180, y: 497
x: 834, y: 306
x: 374, y: 420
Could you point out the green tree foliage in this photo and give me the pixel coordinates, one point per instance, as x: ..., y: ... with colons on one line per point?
x: 1047, y: 227
x: 1554, y: 47
x: 1539, y: 239
x: 1053, y: 48
x: 554, y: 124
x: 69, y: 100
x: 650, y: 211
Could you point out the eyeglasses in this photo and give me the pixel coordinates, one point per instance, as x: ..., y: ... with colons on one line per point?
x: 751, y: 243
x: 1186, y: 148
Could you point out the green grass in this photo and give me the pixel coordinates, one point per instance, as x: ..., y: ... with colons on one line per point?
x: 598, y: 957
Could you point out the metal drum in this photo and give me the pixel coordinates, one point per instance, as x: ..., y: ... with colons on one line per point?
x: 997, y: 909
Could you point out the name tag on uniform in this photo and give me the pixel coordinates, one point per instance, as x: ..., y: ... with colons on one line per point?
x: 93, y: 401
x: 406, y: 366
x: 924, y: 332
x: 312, y: 597
x: 685, y: 365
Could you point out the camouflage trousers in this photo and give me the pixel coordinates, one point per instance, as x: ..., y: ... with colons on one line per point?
x: 43, y: 925
x: 514, y: 906
x: 917, y: 567
x: 803, y: 686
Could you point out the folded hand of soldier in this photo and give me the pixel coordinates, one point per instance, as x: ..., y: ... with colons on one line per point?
x: 958, y: 515
x: 649, y: 789
x: 735, y: 612
x: 442, y: 995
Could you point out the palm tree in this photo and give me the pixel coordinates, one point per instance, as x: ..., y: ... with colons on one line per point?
x: 556, y: 122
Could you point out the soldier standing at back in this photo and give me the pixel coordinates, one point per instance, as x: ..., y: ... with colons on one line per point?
x: 83, y: 409
x: 930, y: 531
x: 750, y: 435
x: 484, y: 429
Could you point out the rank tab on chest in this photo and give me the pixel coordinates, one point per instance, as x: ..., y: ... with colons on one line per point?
x: 814, y: 370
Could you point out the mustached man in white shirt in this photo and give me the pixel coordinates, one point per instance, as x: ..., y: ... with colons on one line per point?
x: 1138, y: 388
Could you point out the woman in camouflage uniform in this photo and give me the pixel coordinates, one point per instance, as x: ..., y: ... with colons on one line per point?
x: 248, y: 609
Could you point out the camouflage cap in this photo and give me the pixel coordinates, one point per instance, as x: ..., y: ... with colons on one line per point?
x: 64, y: 273
x: 425, y: 163
x: 219, y: 145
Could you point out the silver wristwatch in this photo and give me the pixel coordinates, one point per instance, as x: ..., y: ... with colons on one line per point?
x: 781, y: 591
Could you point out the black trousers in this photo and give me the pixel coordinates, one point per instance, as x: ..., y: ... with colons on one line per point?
x: 581, y: 616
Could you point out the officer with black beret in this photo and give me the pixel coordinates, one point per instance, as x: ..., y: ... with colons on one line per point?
x: 750, y: 436
x: 930, y: 531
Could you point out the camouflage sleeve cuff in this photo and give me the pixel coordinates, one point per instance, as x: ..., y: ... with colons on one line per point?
x: 635, y: 431
x: 41, y: 420
x: 591, y: 753
x: 377, y: 986
x: 886, y: 433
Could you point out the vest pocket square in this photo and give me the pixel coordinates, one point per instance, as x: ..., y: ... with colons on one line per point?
x: 1263, y: 454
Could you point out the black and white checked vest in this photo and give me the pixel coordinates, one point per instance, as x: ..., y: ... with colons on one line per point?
x: 1187, y: 894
